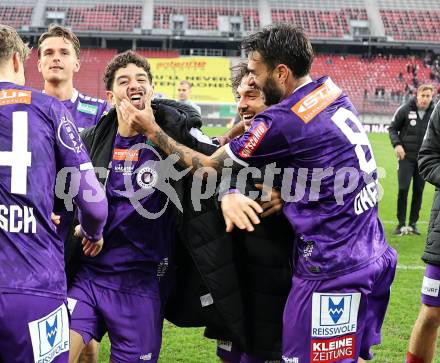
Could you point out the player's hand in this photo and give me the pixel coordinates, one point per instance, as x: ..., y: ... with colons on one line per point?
x: 142, y: 121
x: 77, y: 232
x: 90, y: 248
x: 400, y: 152
x: 241, y: 211
x: 274, y: 205
x: 56, y: 219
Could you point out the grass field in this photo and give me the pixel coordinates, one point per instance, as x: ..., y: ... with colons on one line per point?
x: 188, y: 345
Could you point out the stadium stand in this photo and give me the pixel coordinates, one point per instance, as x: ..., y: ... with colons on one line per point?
x: 99, y: 16
x: 18, y: 14
x: 204, y: 15
x: 374, y: 85
x: 321, y: 19
x: 414, y: 20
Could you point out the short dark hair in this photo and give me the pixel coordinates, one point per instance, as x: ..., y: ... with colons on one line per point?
x: 121, y: 61
x: 239, y: 71
x: 58, y: 31
x: 282, y: 44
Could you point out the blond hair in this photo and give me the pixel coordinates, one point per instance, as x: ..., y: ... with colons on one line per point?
x: 10, y: 43
x: 425, y: 87
x: 58, y: 31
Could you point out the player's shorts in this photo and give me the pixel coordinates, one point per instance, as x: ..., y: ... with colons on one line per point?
x: 33, y: 329
x: 431, y: 286
x: 230, y: 353
x: 339, y: 319
x: 133, y: 322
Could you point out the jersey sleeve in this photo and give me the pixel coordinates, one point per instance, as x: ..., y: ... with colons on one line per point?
x: 262, y: 144
x: 69, y: 149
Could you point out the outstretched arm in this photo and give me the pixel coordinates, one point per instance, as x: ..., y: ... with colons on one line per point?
x: 144, y: 122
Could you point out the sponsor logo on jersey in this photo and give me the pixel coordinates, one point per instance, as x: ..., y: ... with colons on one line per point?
x: 333, y: 350
x: 146, y: 357
x: 50, y: 335
x: 69, y: 136
x: 86, y: 108
x: 315, y: 102
x: 13, y: 96
x: 334, y: 314
x: 124, y: 169
x: 147, y: 177
x: 290, y: 359
x: 126, y: 154
x: 254, y: 140
x: 430, y: 287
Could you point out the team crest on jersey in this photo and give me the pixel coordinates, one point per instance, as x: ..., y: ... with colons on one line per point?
x: 147, y: 177
x: 14, y: 96
x: 50, y: 335
x: 69, y: 136
x: 254, y: 140
x: 334, y: 314
x: 315, y: 102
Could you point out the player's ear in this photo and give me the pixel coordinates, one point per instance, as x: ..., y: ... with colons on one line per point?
x: 110, y: 98
x: 282, y: 72
x: 77, y: 66
x: 16, y: 62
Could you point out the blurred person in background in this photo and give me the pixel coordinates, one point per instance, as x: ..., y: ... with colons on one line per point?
x: 184, y: 94
x: 407, y: 131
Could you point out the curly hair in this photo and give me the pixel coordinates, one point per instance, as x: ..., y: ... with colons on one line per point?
x: 122, y: 61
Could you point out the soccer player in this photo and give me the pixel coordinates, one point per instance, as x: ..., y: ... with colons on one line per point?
x: 341, y: 284
x: 118, y: 291
x: 265, y: 321
x: 37, y: 139
x: 58, y: 62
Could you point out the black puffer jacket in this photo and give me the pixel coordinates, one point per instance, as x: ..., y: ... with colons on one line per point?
x: 407, y: 129
x: 429, y: 168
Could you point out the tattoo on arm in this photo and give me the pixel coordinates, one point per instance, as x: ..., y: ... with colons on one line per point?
x: 191, y: 158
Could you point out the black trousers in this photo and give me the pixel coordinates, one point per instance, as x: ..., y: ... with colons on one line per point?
x: 408, y: 170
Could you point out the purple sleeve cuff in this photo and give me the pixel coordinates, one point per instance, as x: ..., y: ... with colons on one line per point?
x: 92, y: 206
x: 229, y: 191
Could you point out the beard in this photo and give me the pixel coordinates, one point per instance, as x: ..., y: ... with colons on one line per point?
x: 272, y: 93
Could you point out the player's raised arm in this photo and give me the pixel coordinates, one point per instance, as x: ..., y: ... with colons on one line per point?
x: 144, y: 122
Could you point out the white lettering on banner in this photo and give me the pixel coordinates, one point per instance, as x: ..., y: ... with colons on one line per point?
x: 430, y: 286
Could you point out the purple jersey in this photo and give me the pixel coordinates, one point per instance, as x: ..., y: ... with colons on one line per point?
x: 134, y: 246
x: 85, y: 110
x: 329, y: 177
x: 37, y: 138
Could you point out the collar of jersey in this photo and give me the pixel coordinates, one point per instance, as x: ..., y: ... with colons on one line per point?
x: 74, y: 96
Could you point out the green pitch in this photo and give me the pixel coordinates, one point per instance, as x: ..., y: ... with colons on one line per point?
x: 188, y: 345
